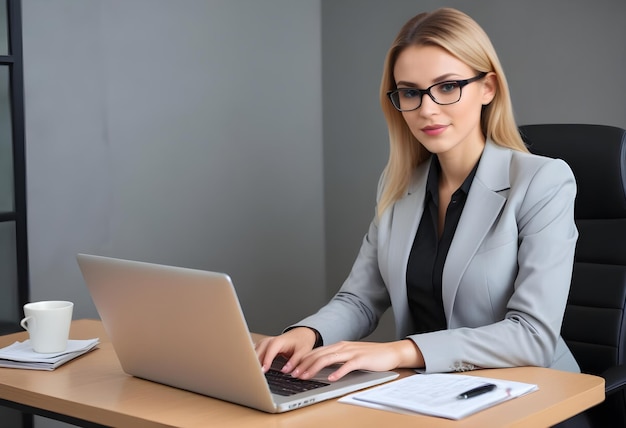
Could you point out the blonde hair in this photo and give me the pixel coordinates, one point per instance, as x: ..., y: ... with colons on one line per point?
x: 462, y: 37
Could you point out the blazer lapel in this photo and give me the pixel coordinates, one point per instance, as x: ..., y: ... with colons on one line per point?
x: 407, y: 213
x: 484, y: 203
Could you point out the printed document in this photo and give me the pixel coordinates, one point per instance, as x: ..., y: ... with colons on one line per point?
x: 20, y: 355
x: 439, y: 394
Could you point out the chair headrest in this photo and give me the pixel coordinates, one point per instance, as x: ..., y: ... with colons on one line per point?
x: 597, y: 156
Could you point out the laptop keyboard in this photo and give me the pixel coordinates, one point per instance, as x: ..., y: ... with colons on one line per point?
x: 284, y: 384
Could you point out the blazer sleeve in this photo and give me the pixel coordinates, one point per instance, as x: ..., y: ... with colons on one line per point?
x: 543, y: 206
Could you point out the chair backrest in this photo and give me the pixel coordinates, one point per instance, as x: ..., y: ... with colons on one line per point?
x: 595, y: 319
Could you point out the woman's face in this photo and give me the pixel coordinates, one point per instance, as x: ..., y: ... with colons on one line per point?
x: 443, y: 129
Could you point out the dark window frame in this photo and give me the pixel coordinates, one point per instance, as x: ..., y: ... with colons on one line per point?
x: 14, y: 60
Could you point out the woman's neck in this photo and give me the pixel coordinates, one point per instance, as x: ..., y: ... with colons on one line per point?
x: 456, y: 165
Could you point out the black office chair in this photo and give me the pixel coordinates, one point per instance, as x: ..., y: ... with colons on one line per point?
x: 594, y: 326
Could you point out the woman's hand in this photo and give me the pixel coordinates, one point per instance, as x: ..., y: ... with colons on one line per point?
x: 292, y: 345
x: 358, y: 355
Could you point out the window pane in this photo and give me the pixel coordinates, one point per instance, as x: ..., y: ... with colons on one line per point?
x: 9, y: 315
x: 6, y: 143
x: 4, y: 29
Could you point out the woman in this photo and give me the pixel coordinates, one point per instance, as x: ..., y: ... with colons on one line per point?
x: 473, y: 240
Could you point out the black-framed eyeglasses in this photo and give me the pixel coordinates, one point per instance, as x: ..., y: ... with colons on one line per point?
x: 443, y: 93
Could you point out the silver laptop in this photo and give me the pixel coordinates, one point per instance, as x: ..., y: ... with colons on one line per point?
x: 185, y: 328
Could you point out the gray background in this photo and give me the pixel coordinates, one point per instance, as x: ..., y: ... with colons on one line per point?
x: 246, y: 136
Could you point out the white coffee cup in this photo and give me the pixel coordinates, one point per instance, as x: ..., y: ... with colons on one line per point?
x: 48, y: 325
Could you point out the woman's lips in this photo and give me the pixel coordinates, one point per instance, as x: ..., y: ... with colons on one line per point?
x: 434, y: 130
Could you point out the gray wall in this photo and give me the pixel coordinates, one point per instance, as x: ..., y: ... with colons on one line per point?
x: 564, y: 60
x: 178, y: 132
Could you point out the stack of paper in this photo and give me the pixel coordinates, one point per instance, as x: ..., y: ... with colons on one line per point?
x: 438, y: 394
x: 20, y: 355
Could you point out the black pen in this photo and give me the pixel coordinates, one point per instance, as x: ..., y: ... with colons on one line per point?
x: 477, y: 391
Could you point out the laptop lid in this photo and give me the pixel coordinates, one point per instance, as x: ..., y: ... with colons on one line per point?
x: 185, y: 328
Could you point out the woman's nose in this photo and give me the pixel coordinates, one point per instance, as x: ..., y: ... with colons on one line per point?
x: 428, y: 106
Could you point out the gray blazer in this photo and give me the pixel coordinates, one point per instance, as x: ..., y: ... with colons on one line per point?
x: 506, y: 277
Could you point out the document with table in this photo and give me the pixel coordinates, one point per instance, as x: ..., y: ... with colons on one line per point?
x: 446, y: 395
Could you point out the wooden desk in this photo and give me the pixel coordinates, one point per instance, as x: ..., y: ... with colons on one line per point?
x: 94, y: 390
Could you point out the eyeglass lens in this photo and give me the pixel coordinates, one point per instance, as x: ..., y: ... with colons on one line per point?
x: 411, y: 99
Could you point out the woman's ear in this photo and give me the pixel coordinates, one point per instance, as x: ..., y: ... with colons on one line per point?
x: 490, y: 85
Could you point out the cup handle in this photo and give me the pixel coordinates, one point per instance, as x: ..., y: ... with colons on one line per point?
x: 24, y: 323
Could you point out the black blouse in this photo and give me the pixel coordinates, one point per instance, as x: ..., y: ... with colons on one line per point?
x: 429, y: 251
